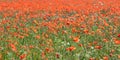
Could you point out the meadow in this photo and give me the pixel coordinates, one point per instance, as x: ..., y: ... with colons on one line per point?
x: 59, y: 29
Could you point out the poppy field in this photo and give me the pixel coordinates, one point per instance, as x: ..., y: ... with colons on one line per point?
x: 59, y: 29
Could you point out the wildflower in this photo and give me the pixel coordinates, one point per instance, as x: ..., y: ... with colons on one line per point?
x: 106, y: 24
x: 26, y: 30
x: 37, y: 37
x: 92, y: 33
x: 43, y: 54
x: 83, y: 26
x: 20, y: 36
x: 118, y: 56
x: 74, y: 30
x: 22, y: 56
x: 34, y: 30
x: 16, y: 27
x: 111, y: 55
x: 105, y: 58
x: 13, y: 47
x: 118, y: 35
x: 48, y: 50
x: 76, y: 39
x: 98, y: 47
x: 68, y: 23
x: 46, y: 35
x: 1, y: 57
x: 72, y: 48
x: 15, y: 34
x: 112, y: 51
x: 80, y: 45
x: 86, y: 31
x: 105, y: 40
x: 117, y: 42
x: 91, y: 59
x: 22, y: 25
x: 1, y: 29
x: 31, y: 46
x: 57, y: 55
x: 95, y: 42
x: 8, y: 27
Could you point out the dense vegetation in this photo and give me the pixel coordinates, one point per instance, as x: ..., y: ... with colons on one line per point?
x: 60, y: 30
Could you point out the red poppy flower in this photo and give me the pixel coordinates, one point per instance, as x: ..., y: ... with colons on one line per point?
x: 118, y: 35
